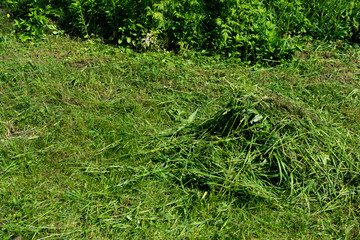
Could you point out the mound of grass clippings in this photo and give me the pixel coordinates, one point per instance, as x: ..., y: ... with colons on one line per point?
x: 269, y: 147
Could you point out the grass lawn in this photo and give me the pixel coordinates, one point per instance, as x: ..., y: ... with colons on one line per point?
x: 96, y: 143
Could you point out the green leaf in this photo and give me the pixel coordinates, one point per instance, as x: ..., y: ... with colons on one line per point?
x: 257, y: 118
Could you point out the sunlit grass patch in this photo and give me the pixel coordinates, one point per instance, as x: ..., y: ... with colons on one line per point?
x: 96, y: 143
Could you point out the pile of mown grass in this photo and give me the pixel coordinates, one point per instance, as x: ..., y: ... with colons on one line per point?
x: 266, y: 146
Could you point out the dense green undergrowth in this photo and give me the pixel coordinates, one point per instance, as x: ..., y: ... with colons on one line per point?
x: 253, y: 31
x: 100, y: 144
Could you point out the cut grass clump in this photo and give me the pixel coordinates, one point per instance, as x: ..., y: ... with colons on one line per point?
x: 268, y: 147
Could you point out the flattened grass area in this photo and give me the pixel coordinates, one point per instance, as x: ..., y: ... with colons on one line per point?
x: 100, y: 144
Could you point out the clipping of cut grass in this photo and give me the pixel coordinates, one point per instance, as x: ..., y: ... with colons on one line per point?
x: 267, y: 147
x: 100, y: 144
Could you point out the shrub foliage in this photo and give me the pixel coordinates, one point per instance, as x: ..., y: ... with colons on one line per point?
x: 252, y: 30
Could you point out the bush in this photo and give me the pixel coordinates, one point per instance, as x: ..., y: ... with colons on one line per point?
x: 251, y: 30
x: 324, y: 19
x: 334, y: 19
x: 33, y: 19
